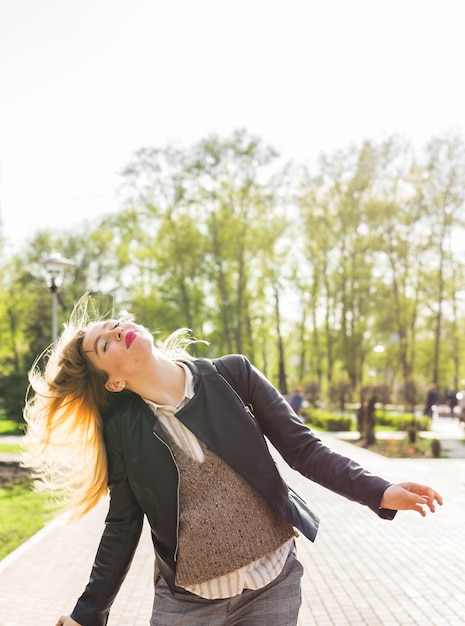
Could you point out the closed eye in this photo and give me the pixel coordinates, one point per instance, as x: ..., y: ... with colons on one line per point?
x: 105, y: 345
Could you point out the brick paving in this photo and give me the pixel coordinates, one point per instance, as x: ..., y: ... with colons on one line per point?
x: 360, y: 571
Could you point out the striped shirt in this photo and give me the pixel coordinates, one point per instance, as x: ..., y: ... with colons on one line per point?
x: 254, y: 575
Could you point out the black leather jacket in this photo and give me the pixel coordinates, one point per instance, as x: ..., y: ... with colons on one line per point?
x: 143, y: 477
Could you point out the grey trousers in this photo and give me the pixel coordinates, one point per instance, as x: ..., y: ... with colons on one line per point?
x: 277, y: 604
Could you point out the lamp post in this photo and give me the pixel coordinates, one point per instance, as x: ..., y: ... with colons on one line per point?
x: 55, y: 265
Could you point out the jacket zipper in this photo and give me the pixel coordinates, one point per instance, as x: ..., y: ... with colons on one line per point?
x: 248, y: 408
x: 177, y: 494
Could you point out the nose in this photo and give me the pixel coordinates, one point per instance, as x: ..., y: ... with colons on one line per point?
x: 118, y: 332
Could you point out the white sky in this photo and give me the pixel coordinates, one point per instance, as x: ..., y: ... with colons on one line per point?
x: 85, y: 83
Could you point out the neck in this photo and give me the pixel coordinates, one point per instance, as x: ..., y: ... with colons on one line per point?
x: 162, y: 384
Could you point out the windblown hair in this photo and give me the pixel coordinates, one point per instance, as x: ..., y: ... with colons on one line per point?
x: 65, y: 403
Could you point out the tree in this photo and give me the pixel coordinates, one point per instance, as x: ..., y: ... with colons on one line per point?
x: 237, y: 194
x: 304, y: 272
x: 441, y: 196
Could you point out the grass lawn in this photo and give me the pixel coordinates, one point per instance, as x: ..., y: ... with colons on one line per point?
x: 23, y: 513
x: 400, y: 448
x: 11, y: 448
x: 9, y: 427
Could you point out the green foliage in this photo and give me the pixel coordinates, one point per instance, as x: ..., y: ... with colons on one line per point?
x: 400, y: 448
x: 304, y: 272
x: 13, y: 391
x: 10, y: 448
x: 403, y: 422
x: 327, y: 421
x: 10, y: 427
x: 332, y: 422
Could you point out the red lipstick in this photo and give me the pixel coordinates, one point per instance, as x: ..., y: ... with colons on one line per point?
x: 129, y: 338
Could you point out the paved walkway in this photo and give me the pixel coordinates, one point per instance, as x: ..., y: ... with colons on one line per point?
x: 360, y: 571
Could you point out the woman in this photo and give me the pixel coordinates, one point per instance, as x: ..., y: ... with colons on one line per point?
x: 174, y: 438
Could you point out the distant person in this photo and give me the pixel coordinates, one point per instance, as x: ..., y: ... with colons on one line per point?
x: 296, y: 400
x: 452, y: 401
x: 182, y: 441
x: 431, y: 400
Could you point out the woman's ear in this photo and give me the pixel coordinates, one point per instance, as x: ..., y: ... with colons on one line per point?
x: 115, y: 386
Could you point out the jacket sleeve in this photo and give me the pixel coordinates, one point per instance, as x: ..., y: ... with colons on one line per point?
x: 299, y: 446
x: 123, y: 526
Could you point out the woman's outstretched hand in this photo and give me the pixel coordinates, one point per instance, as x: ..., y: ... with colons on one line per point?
x: 410, y: 497
x: 66, y: 620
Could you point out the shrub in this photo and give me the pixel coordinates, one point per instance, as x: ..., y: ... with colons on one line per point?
x: 332, y: 422
x: 403, y: 422
x: 327, y: 421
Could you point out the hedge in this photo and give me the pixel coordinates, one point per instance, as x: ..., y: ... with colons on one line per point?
x: 332, y: 422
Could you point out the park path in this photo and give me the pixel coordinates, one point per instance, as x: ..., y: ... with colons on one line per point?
x: 360, y: 571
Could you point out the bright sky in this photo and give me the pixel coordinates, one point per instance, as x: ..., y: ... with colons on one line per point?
x: 84, y: 84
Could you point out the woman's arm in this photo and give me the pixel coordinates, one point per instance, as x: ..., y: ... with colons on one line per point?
x: 123, y: 526
x: 304, y: 452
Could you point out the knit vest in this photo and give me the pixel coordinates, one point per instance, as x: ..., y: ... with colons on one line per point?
x: 225, y: 523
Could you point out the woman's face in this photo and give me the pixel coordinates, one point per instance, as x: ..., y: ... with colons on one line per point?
x: 118, y: 348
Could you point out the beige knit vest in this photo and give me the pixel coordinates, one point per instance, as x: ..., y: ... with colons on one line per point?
x: 225, y: 523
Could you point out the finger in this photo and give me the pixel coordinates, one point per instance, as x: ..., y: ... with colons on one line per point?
x: 438, y: 498
x: 433, y: 497
x: 426, y: 492
x: 428, y: 500
x: 416, y: 502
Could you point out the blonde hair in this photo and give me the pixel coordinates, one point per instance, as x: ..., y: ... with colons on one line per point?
x: 64, y: 406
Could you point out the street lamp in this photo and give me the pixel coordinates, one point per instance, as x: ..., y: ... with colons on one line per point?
x: 55, y: 265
